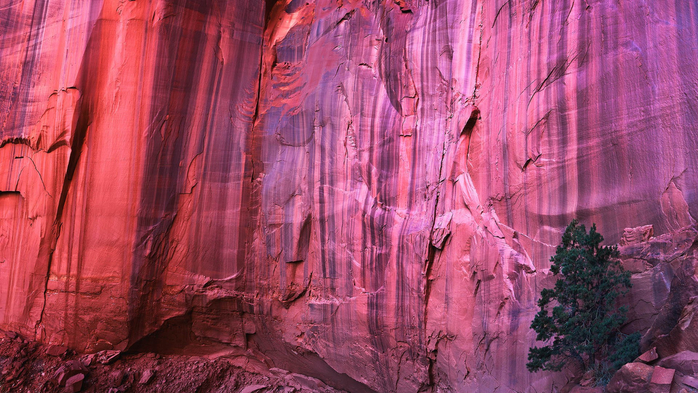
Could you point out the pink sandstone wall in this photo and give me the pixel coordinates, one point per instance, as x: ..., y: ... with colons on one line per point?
x: 364, y: 191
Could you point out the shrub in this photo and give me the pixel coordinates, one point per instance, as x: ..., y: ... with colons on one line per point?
x: 585, y: 322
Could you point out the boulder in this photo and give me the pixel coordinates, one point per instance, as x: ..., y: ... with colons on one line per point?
x: 68, y: 370
x: 74, y: 383
x: 56, y: 350
x: 116, y: 377
x: 146, y: 377
x: 87, y: 360
x: 632, y: 377
x: 685, y: 362
x: 648, y: 356
x: 108, y: 356
x: 253, y: 388
x: 686, y: 382
x: 661, y: 380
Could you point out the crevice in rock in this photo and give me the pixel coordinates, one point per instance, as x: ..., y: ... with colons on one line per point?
x: 569, y: 13
x: 48, y: 243
x: 558, y: 71
x: 530, y: 161
x: 427, y: 281
x: 269, y: 6
x: 540, y: 121
x: 38, y: 174
x: 253, y: 166
x: 431, y: 251
x: 346, y: 17
x: 496, y: 16
x: 479, y: 56
x: 398, y: 368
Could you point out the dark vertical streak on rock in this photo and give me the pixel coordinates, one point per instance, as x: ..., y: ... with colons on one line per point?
x: 323, y: 201
x: 9, y: 22
x: 88, y: 76
x: 22, y: 93
x: 560, y: 107
x: 481, y: 32
x: 28, y: 70
x: 162, y: 178
x: 445, y: 143
x: 250, y: 199
x: 326, y: 198
x: 584, y: 119
x: 609, y: 173
x: 505, y: 132
x: 231, y: 110
x: 687, y: 55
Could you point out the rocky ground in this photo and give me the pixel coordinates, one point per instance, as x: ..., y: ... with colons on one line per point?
x: 677, y: 373
x: 26, y: 366
x: 650, y: 373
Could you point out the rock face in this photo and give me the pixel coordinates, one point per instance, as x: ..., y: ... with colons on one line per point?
x: 364, y: 192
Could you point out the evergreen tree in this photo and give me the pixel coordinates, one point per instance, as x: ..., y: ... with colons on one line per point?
x: 585, y: 322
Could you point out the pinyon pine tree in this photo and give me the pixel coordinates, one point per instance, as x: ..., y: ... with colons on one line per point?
x: 585, y: 322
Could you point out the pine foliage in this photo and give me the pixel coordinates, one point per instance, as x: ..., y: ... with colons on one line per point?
x: 585, y: 321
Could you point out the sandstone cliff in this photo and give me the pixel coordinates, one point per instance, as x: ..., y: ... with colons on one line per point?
x: 363, y: 191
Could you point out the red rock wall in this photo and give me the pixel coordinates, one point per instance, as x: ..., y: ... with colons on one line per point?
x: 363, y: 191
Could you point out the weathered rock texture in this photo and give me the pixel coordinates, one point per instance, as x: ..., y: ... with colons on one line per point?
x: 365, y: 191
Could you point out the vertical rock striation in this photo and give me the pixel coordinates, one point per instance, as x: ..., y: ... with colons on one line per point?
x: 365, y: 192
